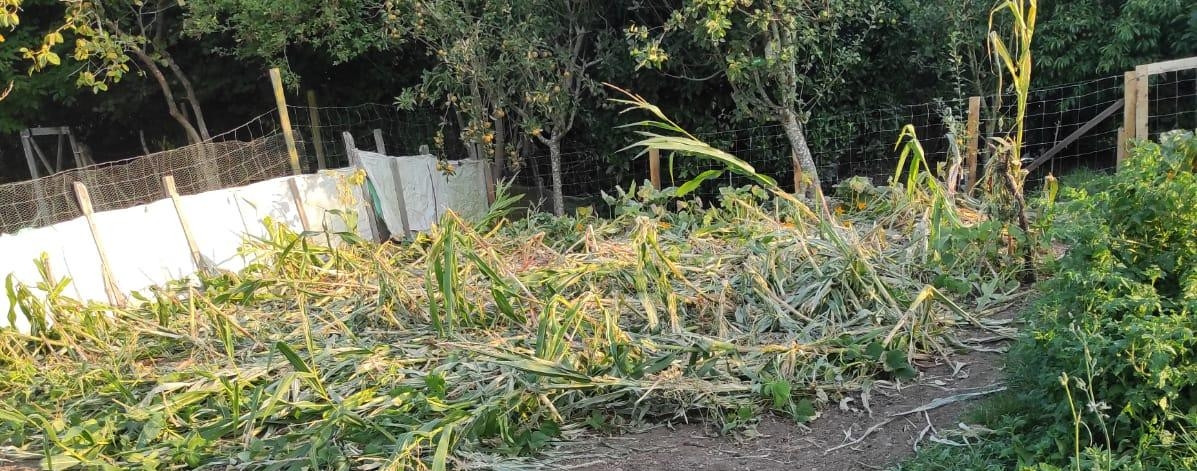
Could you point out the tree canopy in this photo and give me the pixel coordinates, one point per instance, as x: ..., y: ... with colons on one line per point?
x: 504, y: 75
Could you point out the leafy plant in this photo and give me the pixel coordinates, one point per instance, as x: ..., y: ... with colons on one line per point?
x: 1103, y: 376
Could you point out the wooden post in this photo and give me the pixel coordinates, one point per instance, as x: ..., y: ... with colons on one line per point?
x: 367, y: 199
x: 488, y: 175
x: 973, y: 141
x: 1121, y: 147
x: 1142, y: 101
x: 297, y: 197
x: 1130, y: 107
x: 39, y: 191
x: 379, y: 145
x: 168, y: 185
x: 115, y: 297
x: 398, y: 177
x: 30, y: 160
x: 317, y: 138
x: 276, y: 80
x: 654, y: 167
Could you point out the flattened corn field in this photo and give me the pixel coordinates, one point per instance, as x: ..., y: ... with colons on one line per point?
x: 482, y: 344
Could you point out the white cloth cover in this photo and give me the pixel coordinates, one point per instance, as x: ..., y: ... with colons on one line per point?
x: 427, y: 192
x: 146, y: 246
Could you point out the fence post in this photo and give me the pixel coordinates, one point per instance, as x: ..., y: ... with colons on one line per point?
x: 1142, y: 100
x: 654, y: 167
x: 39, y: 192
x: 297, y: 198
x: 276, y: 80
x: 168, y: 185
x: 317, y: 139
x: 367, y: 198
x: 115, y: 297
x: 488, y: 175
x: 397, y: 175
x: 1130, y: 95
x: 379, y: 145
x: 973, y: 141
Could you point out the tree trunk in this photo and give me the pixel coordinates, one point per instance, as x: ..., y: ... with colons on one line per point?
x: 555, y: 164
x: 207, y: 169
x: 531, y: 159
x: 801, y: 152
x: 189, y: 94
x: 168, y: 95
x: 500, y: 164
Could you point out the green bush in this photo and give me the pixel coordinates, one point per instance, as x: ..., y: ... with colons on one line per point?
x: 1108, y: 366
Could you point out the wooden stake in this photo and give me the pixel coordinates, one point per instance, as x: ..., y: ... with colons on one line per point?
x: 654, y: 167
x: 398, y: 177
x: 39, y: 191
x: 488, y: 174
x: 1121, y: 146
x: 379, y: 146
x: 317, y: 138
x: 168, y: 185
x: 1142, y: 101
x: 1130, y: 108
x: 973, y: 141
x: 354, y: 161
x: 115, y: 297
x: 276, y: 80
x: 297, y: 197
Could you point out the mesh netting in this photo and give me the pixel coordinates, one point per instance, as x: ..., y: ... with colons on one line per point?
x: 117, y: 185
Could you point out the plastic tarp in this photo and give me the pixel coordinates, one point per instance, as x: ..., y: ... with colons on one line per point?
x: 146, y: 246
x: 427, y: 192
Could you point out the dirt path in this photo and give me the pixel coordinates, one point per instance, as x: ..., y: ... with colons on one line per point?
x: 782, y: 445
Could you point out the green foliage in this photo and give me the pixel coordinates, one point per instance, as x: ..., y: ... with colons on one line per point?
x: 1133, y: 32
x: 1104, y: 376
x: 264, y: 29
x: 777, y: 54
x: 1119, y: 316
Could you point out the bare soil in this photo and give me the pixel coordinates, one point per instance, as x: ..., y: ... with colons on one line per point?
x: 780, y: 444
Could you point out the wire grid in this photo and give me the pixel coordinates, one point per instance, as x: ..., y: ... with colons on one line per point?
x: 1172, y: 102
x: 583, y: 179
x: 252, y: 152
x: 403, y: 132
x: 1053, y: 114
x: 844, y: 145
x: 863, y: 143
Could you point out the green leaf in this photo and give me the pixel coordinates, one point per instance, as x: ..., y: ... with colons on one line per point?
x: 442, y: 449
x: 804, y: 411
x: 293, y: 357
x: 695, y: 182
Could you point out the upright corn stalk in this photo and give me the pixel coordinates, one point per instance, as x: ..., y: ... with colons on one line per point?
x: 1017, y: 63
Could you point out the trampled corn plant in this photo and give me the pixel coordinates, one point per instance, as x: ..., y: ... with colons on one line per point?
x: 495, y: 339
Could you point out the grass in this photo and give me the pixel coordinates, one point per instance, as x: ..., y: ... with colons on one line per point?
x: 482, y: 342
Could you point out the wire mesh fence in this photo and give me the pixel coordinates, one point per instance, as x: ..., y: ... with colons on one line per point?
x: 1172, y: 102
x: 863, y: 143
x: 1067, y: 127
x: 318, y: 130
x: 253, y: 152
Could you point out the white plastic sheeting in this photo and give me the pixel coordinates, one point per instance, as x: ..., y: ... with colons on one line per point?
x: 427, y: 192
x: 146, y: 246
